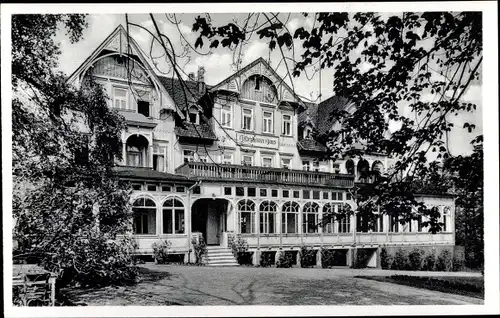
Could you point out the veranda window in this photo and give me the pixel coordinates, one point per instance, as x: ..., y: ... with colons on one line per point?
x: 290, y: 218
x: 173, y: 217
x: 144, y: 216
x: 246, y: 211
x: 267, y: 215
x: 310, y: 222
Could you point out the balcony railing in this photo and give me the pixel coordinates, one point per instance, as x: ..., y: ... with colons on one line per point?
x: 213, y: 171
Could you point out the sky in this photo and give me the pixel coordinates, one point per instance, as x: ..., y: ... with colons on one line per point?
x: 219, y: 63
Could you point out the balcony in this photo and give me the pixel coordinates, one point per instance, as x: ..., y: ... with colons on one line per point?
x: 222, y: 172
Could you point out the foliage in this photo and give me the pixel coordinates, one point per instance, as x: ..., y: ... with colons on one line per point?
x: 267, y: 259
x: 458, y: 262
x: 362, y: 258
x: 400, y: 260
x: 467, y: 178
x: 285, y: 260
x: 239, y: 247
x: 444, y: 261
x: 329, y: 258
x: 161, y: 251
x: 382, y: 64
x: 307, y: 256
x: 385, y: 259
x: 200, y: 249
x: 67, y: 205
x: 415, y: 259
x: 429, y: 262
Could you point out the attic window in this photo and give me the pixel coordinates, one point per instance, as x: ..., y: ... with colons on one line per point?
x: 257, y: 83
x: 194, y: 116
x: 307, y: 132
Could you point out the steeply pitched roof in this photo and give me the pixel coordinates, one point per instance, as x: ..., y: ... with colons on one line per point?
x: 267, y: 66
x: 191, y: 130
x: 324, y: 119
x: 182, y: 94
x: 320, y: 115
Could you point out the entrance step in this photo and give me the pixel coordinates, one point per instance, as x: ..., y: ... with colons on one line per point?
x: 220, y: 256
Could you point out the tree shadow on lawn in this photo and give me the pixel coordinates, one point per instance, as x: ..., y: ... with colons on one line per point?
x: 124, y: 294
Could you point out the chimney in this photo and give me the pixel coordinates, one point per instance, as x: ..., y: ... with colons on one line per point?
x: 191, y: 77
x: 201, y: 80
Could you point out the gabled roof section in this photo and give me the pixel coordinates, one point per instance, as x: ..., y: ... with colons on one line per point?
x: 233, y: 84
x: 119, y: 41
x: 183, y: 93
x: 321, y: 114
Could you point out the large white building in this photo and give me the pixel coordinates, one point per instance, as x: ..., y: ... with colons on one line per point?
x: 238, y: 158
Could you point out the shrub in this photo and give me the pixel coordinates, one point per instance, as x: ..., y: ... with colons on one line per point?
x: 444, y: 261
x: 307, y: 256
x: 385, y: 259
x: 400, y: 260
x: 285, y: 260
x: 160, y: 251
x: 415, y: 259
x: 362, y: 257
x: 458, y: 262
x: 239, y: 247
x: 267, y: 259
x: 429, y: 262
x: 328, y: 258
x: 200, y: 249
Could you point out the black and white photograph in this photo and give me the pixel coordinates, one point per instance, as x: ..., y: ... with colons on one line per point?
x: 210, y: 159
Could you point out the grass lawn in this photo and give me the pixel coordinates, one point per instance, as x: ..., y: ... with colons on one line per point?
x: 467, y: 286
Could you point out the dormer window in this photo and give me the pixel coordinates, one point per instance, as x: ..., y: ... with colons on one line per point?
x: 308, y: 132
x: 194, y: 116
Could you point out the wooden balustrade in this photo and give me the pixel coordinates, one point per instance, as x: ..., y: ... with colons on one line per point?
x: 214, y: 171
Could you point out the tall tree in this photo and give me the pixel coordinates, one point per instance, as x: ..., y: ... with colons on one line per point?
x: 467, y: 175
x: 67, y: 205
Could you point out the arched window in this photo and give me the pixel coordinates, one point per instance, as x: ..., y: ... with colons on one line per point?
x: 290, y: 218
x: 349, y: 166
x: 446, y: 219
x: 310, y: 221
x: 268, y: 211
x: 173, y: 217
x: 144, y: 216
x: 363, y: 170
x: 137, y: 151
x: 329, y: 211
x: 343, y: 219
x: 246, y: 211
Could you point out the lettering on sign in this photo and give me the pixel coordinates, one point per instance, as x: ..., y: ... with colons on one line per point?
x: 258, y: 141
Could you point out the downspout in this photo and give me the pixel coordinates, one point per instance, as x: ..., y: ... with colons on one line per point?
x: 197, y: 183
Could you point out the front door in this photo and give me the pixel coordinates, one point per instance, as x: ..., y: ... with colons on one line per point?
x: 213, y: 226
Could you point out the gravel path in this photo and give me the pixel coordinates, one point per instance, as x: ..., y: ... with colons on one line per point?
x: 192, y: 285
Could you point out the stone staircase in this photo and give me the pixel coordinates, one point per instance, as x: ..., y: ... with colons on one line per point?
x: 220, y: 256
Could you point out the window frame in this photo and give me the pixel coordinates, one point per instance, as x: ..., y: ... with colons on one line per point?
x: 247, y: 207
x: 225, y: 114
x: 243, y: 160
x: 243, y: 115
x: 125, y: 99
x: 286, y: 123
x: 172, y: 210
x: 268, y: 122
